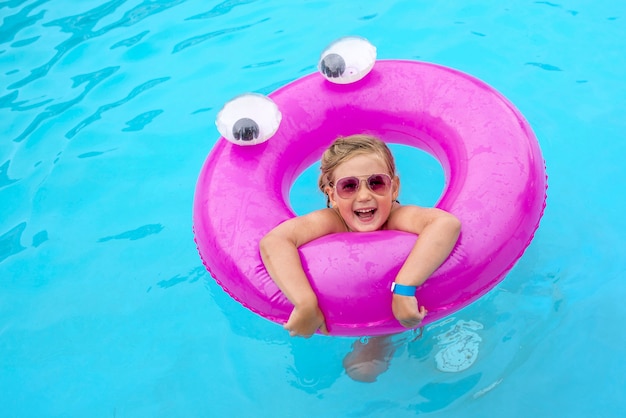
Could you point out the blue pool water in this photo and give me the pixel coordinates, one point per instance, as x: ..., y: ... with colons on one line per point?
x: 106, y: 112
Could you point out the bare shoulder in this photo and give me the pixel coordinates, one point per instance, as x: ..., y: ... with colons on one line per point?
x: 305, y: 228
x: 414, y: 219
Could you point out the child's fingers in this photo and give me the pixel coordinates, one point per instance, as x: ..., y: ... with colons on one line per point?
x: 304, y: 330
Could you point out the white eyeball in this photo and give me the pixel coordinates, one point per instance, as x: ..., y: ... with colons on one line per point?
x: 248, y: 119
x: 347, y: 60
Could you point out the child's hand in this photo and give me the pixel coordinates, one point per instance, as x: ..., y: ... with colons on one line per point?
x: 406, y: 311
x: 305, y: 321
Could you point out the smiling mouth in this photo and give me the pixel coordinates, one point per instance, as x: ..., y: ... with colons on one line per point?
x: 365, y: 213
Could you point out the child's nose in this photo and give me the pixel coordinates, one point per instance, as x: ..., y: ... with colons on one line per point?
x: 364, y: 192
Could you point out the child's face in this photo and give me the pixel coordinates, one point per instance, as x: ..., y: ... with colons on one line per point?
x: 364, y: 210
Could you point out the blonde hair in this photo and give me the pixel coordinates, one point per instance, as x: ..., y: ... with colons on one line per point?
x: 344, y: 148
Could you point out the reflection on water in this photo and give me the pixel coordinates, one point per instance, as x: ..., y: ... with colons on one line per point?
x: 459, y: 346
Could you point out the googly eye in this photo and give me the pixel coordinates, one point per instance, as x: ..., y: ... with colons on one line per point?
x: 248, y: 119
x: 347, y: 60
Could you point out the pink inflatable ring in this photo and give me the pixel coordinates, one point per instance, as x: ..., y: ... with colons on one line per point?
x: 495, y: 184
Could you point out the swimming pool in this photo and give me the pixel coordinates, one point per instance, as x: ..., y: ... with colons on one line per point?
x: 107, y: 116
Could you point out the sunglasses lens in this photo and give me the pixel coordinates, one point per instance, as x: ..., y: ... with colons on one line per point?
x: 379, y: 183
x: 347, y: 186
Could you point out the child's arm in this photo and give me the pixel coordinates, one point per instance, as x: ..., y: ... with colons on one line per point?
x: 438, y: 232
x: 279, y: 251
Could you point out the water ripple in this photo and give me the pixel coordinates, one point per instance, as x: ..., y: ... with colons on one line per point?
x: 25, y: 42
x: 141, y: 120
x: 543, y: 66
x: 135, y: 234
x: 10, y: 242
x: 108, y: 106
x: 39, y: 238
x: 94, y: 153
x: 81, y: 27
x: 13, y: 24
x: 9, y: 101
x: 128, y: 42
x: 369, y: 17
x: 262, y: 64
x: 90, y: 80
x: 5, y: 180
x: 199, y: 39
x: 144, y: 10
x: 221, y: 9
x: 202, y: 110
x: 547, y: 3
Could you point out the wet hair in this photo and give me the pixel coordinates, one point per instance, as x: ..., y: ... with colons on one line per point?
x: 344, y: 148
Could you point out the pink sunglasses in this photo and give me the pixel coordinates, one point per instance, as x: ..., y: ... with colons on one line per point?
x: 376, y: 183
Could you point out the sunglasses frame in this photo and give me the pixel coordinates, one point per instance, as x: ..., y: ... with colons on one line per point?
x: 361, y: 179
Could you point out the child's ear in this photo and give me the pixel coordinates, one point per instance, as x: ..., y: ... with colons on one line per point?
x: 395, y: 190
x: 330, y: 193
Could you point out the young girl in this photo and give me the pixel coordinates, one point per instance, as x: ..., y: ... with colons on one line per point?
x: 354, y: 206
